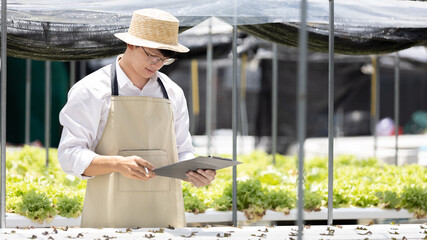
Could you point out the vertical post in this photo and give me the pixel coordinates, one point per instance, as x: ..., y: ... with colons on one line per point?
x: 27, y: 101
x: 377, y: 104
x: 243, y: 89
x: 83, y: 69
x: 234, y: 124
x: 375, y: 101
x: 195, y: 92
x: 274, y: 104
x: 48, y: 80
x: 340, y: 122
x: 72, y: 73
x: 301, y: 111
x: 3, y: 111
x: 396, y: 105
x: 214, y: 95
x: 190, y: 100
x: 331, y: 113
x: 209, y: 59
x: 235, y: 113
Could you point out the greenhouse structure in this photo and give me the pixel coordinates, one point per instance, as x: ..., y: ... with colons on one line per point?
x: 334, y: 195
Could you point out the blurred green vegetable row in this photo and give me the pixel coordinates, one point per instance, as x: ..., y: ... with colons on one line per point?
x: 357, y: 183
x: 40, y: 193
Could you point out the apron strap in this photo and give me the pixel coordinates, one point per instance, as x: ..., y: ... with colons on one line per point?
x: 115, y: 85
x: 165, y: 93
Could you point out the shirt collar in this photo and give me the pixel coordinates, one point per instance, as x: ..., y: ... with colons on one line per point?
x: 123, y: 80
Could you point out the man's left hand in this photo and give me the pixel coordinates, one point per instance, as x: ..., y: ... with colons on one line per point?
x: 201, y: 177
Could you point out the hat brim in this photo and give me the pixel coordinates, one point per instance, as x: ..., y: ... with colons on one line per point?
x: 130, y: 39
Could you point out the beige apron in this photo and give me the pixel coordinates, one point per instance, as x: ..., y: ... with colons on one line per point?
x: 142, y: 126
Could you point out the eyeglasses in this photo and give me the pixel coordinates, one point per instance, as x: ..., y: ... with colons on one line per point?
x: 155, y: 59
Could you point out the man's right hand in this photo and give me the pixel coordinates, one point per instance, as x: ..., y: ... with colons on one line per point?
x: 134, y: 167
x: 130, y: 167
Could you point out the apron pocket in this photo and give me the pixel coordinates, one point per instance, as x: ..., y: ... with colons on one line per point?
x: 157, y: 158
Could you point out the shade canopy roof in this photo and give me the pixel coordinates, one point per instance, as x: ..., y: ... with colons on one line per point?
x: 62, y: 30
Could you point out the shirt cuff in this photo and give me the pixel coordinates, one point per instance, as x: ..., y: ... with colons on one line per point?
x: 86, y: 160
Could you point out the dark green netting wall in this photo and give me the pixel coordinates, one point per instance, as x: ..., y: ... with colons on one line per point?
x: 16, y: 100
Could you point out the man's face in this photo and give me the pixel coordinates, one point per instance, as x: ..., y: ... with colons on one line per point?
x: 147, y: 60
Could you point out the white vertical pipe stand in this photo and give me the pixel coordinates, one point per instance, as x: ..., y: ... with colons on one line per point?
x: 27, y: 101
x: 72, y: 73
x: 209, y: 58
x: 234, y: 115
x: 331, y: 114
x: 396, y: 105
x: 3, y: 111
x: 375, y: 79
x: 274, y: 104
x: 48, y: 80
x: 377, y: 105
x: 301, y: 111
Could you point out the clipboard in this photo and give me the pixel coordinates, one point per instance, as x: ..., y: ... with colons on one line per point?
x: 179, y: 169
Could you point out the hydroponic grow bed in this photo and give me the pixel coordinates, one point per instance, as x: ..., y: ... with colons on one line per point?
x: 212, y: 217
x: 363, y: 189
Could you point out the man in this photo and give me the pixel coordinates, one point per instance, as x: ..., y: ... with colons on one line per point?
x: 123, y: 121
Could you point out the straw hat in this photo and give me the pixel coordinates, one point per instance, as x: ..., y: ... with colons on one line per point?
x: 153, y: 28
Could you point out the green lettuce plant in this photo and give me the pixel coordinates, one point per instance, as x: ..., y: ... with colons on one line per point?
x: 69, y: 207
x: 192, y: 203
x: 414, y: 199
x: 36, y: 206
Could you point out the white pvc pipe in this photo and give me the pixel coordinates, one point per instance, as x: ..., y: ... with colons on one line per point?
x: 209, y: 58
x: 72, y: 73
x: 234, y: 124
x: 274, y: 104
x: 48, y: 80
x: 3, y: 111
x: 396, y: 105
x: 28, y: 102
x: 331, y: 114
x: 301, y: 112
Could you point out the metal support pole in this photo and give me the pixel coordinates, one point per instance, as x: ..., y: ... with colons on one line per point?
x: 83, y: 69
x: 377, y: 106
x: 234, y: 116
x: 195, y: 107
x: 396, y: 105
x: 72, y: 73
x: 214, y: 94
x: 375, y: 101
x: 331, y: 114
x: 301, y: 112
x: 3, y: 111
x: 48, y: 80
x: 28, y: 102
x: 243, y: 89
x: 234, y: 124
x: 209, y: 59
x: 190, y: 100
x: 274, y: 104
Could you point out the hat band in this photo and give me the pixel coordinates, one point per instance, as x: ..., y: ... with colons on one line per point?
x: 164, y: 32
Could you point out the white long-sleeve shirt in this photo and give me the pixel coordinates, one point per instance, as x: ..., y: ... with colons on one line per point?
x: 85, y: 114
